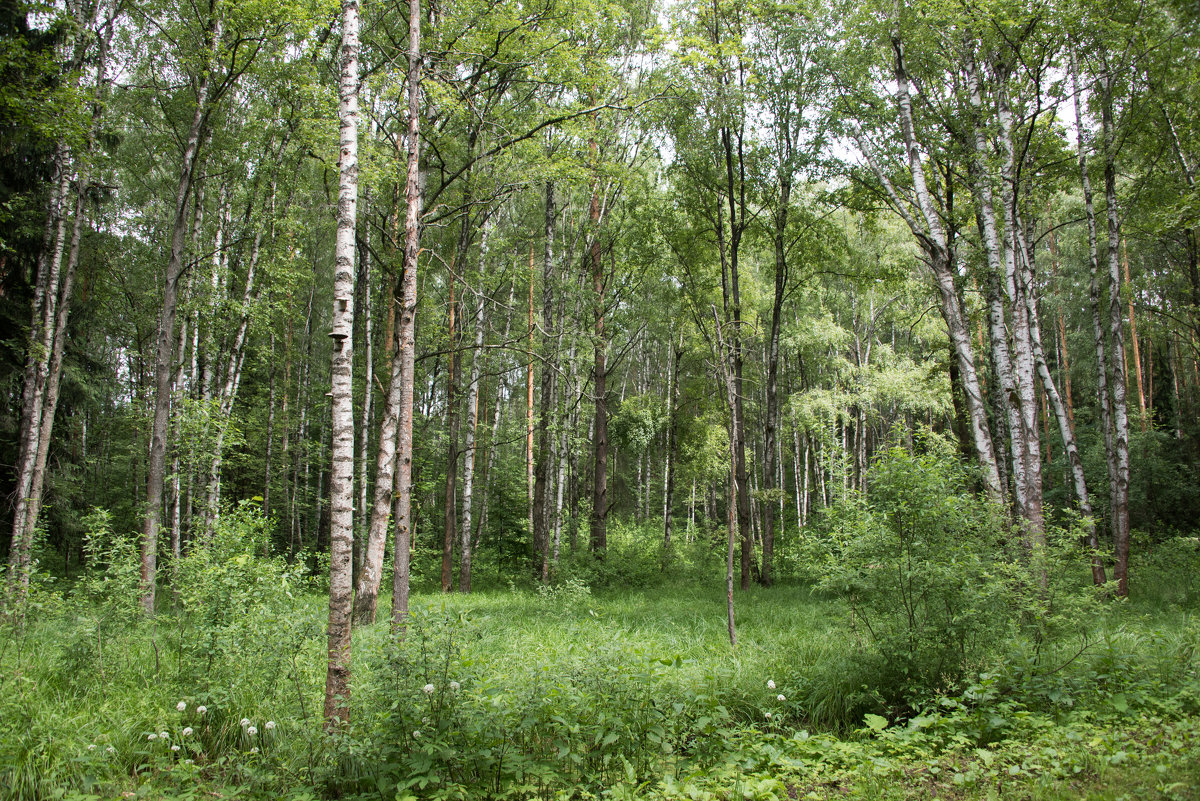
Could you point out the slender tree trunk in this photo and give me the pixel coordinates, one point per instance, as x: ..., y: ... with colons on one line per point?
x: 1064, y: 359
x: 228, y: 391
x: 735, y: 194
x: 672, y: 443
x: 599, y: 520
x: 724, y: 357
x: 1120, y: 413
x: 464, y: 566
x: 771, y: 423
x: 164, y: 353
x: 566, y: 454
x: 450, y: 519
x: 1133, y: 340
x: 53, y: 380
x: 176, y: 501
x: 270, y: 435
x: 406, y: 329
x: 1024, y: 305
x: 1104, y: 388
x: 341, y: 484
x: 361, y: 537
x: 37, y: 364
x: 542, y: 473
x: 1066, y: 431
x: 931, y: 235
x: 999, y: 259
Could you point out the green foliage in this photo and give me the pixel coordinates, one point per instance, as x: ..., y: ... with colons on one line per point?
x: 236, y: 606
x: 635, y: 558
x: 637, y: 421
x: 916, y: 559
x: 569, y: 690
x: 113, y: 580
x: 935, y: 589
x: 455, y: 727
x: 1169, y: 572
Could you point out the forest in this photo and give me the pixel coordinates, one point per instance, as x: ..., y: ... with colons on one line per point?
x: 532, y: 399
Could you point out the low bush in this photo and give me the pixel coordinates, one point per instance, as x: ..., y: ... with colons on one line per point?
x: 936, y: 587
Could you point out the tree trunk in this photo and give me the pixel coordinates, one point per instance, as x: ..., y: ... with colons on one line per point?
x: 672, y: 443
x: 771, y: 423
x: 599, y: 519
x: 270, y: 434
x: 724, y: 357
x: 341, y: 482
x: 164, y: 352
x: 1104, y: 385
x: 541, y: 494
x: 1133, y: 340
x: 931, y: 236
x: 464, y: 565
x: 1066, y: 430
x: 406, y: 329
x: 228, y: 391
x: 450, y: 519
x: 51, y: 308
x: 361, y: 537
x: 999, y: 286
x: 1116, y: 333
x: 1024, y: 304
x: 37, y: 364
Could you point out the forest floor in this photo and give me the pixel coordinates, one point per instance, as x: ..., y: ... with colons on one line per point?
x: 568, y: 693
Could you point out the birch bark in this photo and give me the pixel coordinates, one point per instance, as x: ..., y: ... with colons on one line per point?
x: 542, y: 474
x: 406, y: 328
x: 464, y: 540
x: 931, y: 236
x: 341, y: 482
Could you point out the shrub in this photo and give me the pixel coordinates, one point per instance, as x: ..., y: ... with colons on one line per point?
x: 916, y: 559
x: 113, y: 578
x: 241, y: 625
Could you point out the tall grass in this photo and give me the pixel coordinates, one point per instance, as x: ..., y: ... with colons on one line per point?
x: 522, y: 693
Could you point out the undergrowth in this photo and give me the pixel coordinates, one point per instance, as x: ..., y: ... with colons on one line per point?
x: 579, y: 691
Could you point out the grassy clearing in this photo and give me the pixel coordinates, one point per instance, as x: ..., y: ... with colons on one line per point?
x: 954, y: 676
x: 570, y: 693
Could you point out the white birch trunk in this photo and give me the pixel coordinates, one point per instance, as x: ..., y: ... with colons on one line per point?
x: 406, y: 329
x: 464, y: 567
x: 341, y: 484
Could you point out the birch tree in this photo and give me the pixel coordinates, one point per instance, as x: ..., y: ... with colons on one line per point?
x: 341, y: 486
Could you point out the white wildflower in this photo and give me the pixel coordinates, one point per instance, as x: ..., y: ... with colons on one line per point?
x: 245, y: 722
x: 187, y: 731
x: 768, y: 714
x: 181, y: 706
x: 200, y: 710
x: 270, y: 725
x: 770, y: 684
x: 151, y: 736
x: 454, y: 685
x: 254, y: 750
x: 429, y: 688
x: 111, y: 750
x: 163, y: 735
x: 174, y: 748
x: 189, y: 761
x: 91, y: 746
x: 252, y: 731
x: 781, y: 697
